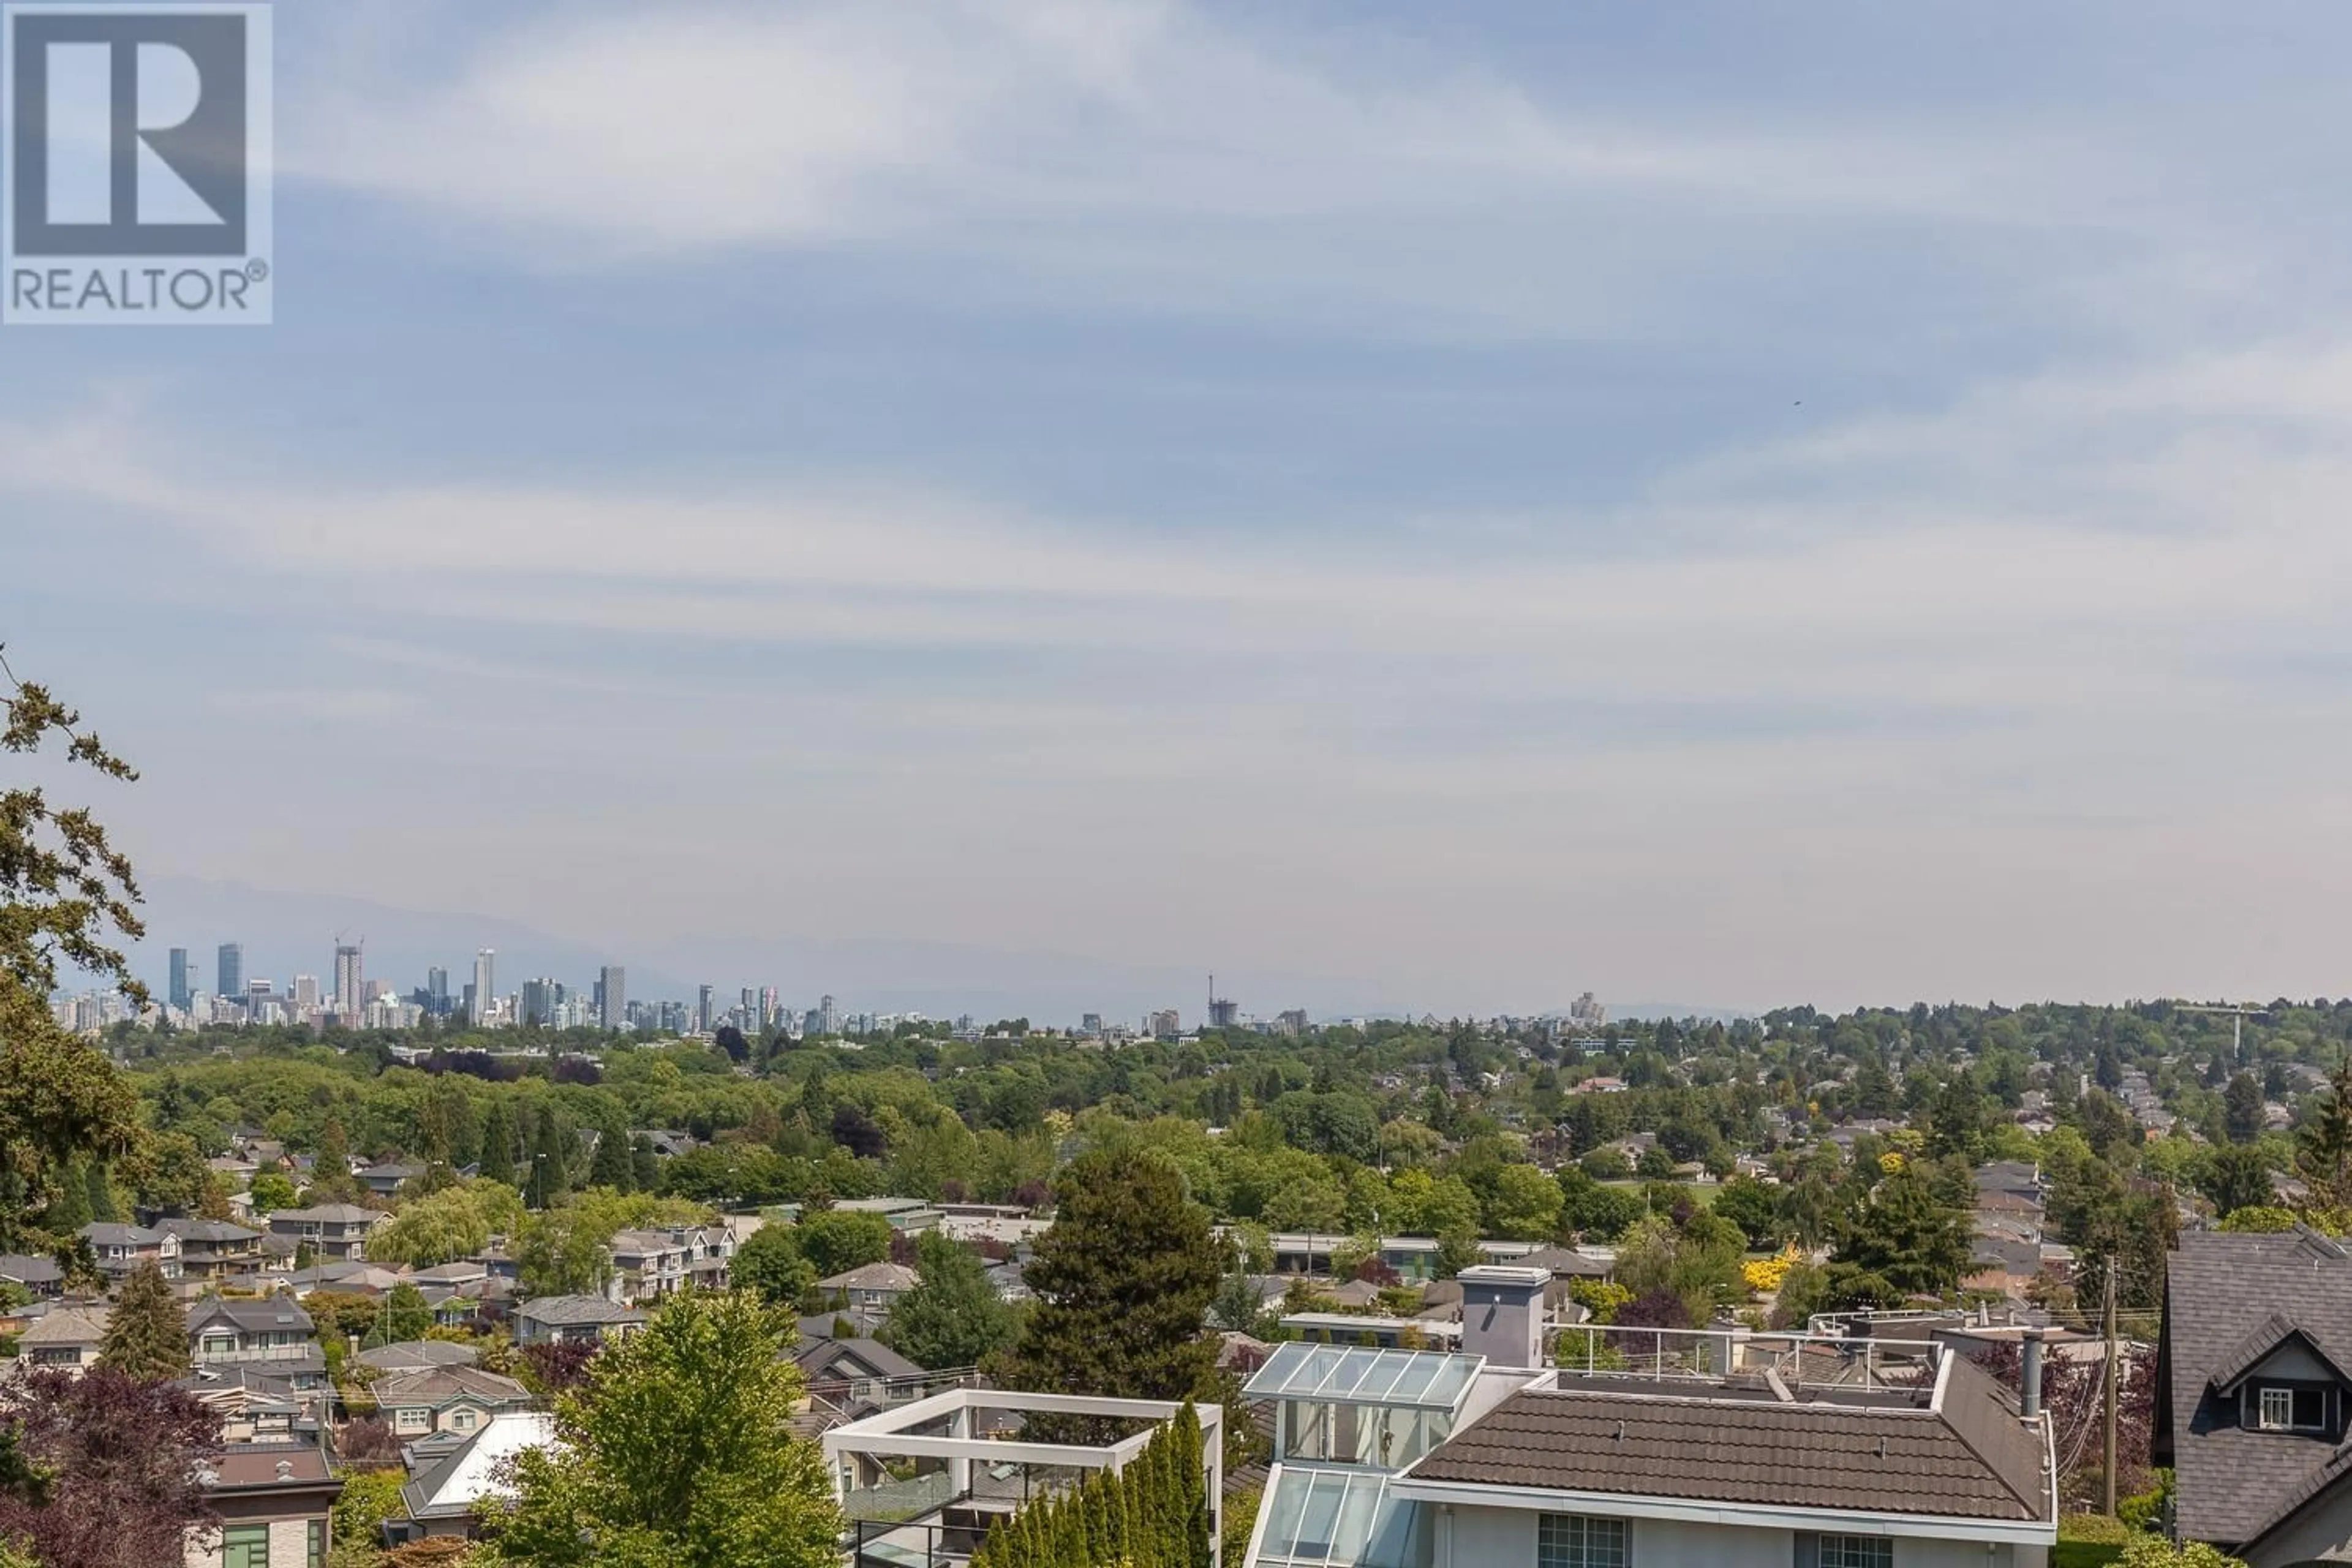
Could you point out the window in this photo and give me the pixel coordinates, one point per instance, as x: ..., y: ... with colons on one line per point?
x: 461, y: 1420
x: 245, y: 1546
x: 316, y: 1548
x: 1575, y: 1541
x: 2290, y: 1409
x: 1856, y: 1552
x: 410, y: 1418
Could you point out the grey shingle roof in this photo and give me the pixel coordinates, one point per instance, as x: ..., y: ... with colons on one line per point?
x: 1972, y: 1458
x: 559, y: 1310
x: 2222, y: 1293
x: 853, y: 1361
x: 419, y: 1356
x: 212, y: 1230
x: 274, y: 1314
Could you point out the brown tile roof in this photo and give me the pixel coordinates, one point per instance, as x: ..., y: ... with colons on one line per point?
x: 256, y: 1465
x: 1972, y: 1460
x: 442, y: 1384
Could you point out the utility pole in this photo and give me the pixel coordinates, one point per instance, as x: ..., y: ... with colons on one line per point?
x: 2107, y: 1400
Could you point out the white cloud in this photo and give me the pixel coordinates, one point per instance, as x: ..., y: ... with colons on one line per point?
x: 1146, y: 151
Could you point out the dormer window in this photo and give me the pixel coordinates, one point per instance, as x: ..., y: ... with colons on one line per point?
x: 2277, y: 1408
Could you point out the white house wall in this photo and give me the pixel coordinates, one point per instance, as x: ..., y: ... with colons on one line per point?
x: 2324, y: 1534
x: 1506, y: 1538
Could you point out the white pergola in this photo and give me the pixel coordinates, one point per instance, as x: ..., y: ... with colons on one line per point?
x: 892, y: 1434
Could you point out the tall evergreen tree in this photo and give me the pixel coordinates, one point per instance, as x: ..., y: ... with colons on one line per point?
x: 612, y: 1166
x: 497, y: 1146
x: 330, y: 1172
x: 69, y: 1211
x: 1123, y: 1279
x: 549, y: 1176
x: 102, y: 1205
x: 2243, y: 1108
x: 147, y: 1336
x: 2324, y: 1152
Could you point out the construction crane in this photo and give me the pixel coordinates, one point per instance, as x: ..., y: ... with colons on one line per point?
x: 2238, y: 1016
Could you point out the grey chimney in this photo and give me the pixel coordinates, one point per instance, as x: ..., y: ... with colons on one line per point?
x: 1503, y: 1313
x: 2029, y: 1396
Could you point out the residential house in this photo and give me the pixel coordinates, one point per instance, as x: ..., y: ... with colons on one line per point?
x: 872, y: 1288
x: 458, y: 1399
x: 386, y: 1180
x: 276, y: 1505
x: 2253, y: 1389
x: 274, y: 1333
x: 41, y: 1278
x: 253, y: 1406
x: 650, y: 1264
x: 65, y: 1335
x: 666, y: 1143
x: 445, y: 1495
x: 849, y: 1379
x: 1727, y: 1452
x: 123, y: 1249
x: 337, y: 1231
x: 210, y: 1248
x: 573, y: 1319
x: 419, y: 1356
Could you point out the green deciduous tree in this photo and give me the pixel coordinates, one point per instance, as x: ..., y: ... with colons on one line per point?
x: 405, y: 1317
x: 440, y: 1228
x: 770, y: 1262
x: 679, y: 1449
x: 1523, y: 1204
x: 839, y: 1240
x: 147, y: 1335
x: 64, y: 893
x: 954, y: 1318
x: 272, y: 1191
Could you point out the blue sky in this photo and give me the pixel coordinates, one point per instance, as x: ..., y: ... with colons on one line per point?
x: 1712, y: 502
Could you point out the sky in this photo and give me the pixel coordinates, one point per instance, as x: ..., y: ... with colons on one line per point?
x: 1445, y: 509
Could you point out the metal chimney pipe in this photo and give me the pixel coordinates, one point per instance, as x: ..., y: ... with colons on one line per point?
x: 2029, y: 1397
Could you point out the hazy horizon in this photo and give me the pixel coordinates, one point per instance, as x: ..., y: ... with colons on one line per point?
x: 1402, y: 509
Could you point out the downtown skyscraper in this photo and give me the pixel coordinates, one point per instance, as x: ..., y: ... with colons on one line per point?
x: 230, y: 980
x: 613, y: 991
x: 182, y: 989
x: 351, y: 989
x: 485, y: 994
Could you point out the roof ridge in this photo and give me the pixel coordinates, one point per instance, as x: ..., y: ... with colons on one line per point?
x: 1989, y: 1388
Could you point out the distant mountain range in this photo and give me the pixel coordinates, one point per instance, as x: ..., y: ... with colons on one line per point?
x: 286, y: 934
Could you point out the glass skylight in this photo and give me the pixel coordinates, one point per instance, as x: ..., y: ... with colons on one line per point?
x: 1355, y: 1374
x: 1339, y: 1519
